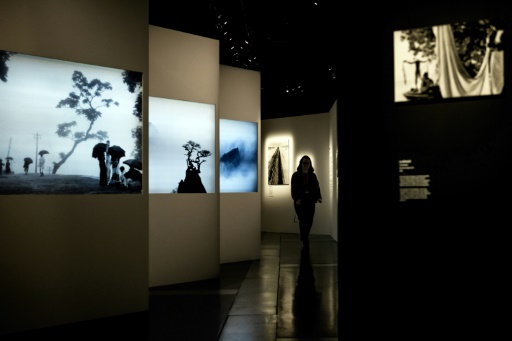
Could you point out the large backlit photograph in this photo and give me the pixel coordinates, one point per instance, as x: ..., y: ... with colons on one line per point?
x: 464, y: 59
x: 181, y: 146
x: 68, y: 128
x: 238, y: 146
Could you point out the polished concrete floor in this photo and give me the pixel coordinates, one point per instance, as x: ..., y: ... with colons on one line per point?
x: 290, y: 293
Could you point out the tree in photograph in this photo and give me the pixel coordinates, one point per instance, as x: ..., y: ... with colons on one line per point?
x: 134, y: 82
x: 4, y: 69
x: 195, y: 163
x: 192, y: 182
x: 87, y: 103
x: 471, y: 40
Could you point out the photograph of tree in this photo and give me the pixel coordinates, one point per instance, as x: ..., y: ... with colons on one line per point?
x: 54, y: 114
x: 238, y: 149
x: 278, y: 165
x: 463, y: 59
x: 181, y: 146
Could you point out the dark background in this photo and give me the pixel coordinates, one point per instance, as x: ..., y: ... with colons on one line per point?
x: 291, y: 42
x: 433, y: 269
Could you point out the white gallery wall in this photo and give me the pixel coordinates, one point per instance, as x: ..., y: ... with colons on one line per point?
x: 333, y: 169
x: 71, y: 258
x: 240, y: 213
x: 312, y: 135
x: 184, y: 232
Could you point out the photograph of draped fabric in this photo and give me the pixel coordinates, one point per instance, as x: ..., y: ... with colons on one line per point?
x: 278, y: 168
x: 463, y: 59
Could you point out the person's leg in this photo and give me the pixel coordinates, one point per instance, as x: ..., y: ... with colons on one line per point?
x: 299, y: 209
x: 309, y: 213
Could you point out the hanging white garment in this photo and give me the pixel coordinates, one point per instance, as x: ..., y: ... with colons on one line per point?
x: 454, y: 80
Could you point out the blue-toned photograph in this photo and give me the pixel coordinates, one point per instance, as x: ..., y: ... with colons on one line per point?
x: 181, y: 146
x: 238, y: 146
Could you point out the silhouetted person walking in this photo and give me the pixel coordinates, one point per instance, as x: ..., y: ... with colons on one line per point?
x: 305, y: 194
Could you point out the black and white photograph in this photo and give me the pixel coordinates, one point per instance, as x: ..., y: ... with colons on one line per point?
x: 238, y: 149
x: 68, y: 128
x: 278, y: 162
x: 454, y: 60
x: 181, y: 146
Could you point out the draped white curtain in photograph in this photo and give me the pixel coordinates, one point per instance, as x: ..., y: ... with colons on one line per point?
x: 454, y: 80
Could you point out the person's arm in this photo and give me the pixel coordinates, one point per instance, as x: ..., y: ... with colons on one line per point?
x: 319, y: 197
x: 295, y: 189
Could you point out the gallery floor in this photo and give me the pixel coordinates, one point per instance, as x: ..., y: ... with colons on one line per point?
x: 290, y: 293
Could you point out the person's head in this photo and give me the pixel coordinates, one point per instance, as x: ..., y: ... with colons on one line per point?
x: 425, y: 75
x: 305, y: 165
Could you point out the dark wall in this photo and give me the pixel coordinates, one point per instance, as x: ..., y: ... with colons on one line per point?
x: 435, y: 267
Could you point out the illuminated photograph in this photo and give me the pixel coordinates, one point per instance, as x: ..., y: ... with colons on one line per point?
x: 238, y: 145
x: 181, y: 146
x: 449, y: 61
x: 278, y: 163
x: 68, y: 128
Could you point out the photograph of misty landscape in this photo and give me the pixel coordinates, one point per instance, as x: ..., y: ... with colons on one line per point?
x: 181, y: 146
x: 238, y: 149
x: 60, y: 112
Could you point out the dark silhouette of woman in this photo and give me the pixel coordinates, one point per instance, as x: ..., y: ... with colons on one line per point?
x: 305, y: 194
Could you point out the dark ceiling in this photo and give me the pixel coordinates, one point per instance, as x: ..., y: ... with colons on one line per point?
x: 291, y: 42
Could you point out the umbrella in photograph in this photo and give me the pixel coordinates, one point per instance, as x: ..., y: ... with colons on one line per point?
x: 116, y: 152
x: 9, y: 158
x: 42, y: 152
x: 28, y: 160
x: 98, y: 149
x: 133, y: 174
x: 133, y: 163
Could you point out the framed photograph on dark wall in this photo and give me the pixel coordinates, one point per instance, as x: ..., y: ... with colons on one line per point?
x: 455, y: 60
x: 68, y: 128
x: 238, y: 162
